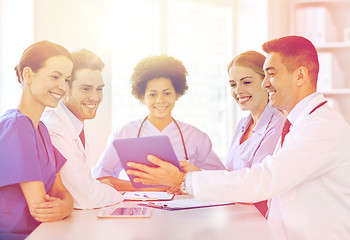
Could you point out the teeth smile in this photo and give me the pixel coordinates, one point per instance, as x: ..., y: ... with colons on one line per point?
x: 91, y: 106
x: 243, y: 99
x: 160, y: 108
x: 55, y: 95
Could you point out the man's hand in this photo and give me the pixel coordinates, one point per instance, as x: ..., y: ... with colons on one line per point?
x: 188, y: 167
x: 165, y: 174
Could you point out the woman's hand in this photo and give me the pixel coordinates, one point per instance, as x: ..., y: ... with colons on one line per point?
x: 59, y: 200
x: 54, y: 206
x: 53, y: 209
x: 165, y: 174
x: 188, y: 167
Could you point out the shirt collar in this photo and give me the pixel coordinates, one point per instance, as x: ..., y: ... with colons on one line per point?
x: 78, y: 125
x: 246, y: 123
x: 263, y: 121
x: 303, y: 107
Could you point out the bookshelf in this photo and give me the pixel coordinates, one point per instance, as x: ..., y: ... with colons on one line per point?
x: 327, y: 24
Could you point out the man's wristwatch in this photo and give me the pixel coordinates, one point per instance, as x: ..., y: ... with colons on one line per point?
x: 183, y: 185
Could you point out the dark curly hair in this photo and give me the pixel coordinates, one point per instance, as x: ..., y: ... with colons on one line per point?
x: 158, y: 66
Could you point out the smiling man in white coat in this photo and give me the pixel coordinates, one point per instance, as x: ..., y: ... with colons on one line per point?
x: 66, y: 127
x: 307, y: 179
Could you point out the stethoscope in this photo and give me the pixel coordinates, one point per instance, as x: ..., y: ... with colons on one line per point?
x: 178, y: 127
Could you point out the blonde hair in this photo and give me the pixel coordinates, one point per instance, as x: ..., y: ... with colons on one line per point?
x: 251, y: 59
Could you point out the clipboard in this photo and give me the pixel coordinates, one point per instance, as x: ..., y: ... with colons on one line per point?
x: 147, y: 196
x: 182, y: 204
x: 137, y: 149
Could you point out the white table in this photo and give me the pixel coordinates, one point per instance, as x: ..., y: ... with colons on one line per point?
x: 242, y: 222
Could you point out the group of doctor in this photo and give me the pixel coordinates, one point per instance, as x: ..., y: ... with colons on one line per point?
x: 43, y: 152
x: 305, y: 180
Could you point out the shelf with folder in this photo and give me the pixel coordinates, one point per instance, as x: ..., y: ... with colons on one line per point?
x: 327, y: 24
x: 334, y: 59
x: 323, y: 22
x: 333, y: 72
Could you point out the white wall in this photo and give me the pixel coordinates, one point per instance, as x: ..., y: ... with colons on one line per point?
x: 86, y: 24
x: 278, y: 18
x: 81, y: 24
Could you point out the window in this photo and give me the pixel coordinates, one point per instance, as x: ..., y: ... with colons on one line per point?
x: 203, y: 34
x: 195, y: 33
x: 16, y: 34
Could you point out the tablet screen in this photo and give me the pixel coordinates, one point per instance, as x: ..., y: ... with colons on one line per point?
x: 137, y: 149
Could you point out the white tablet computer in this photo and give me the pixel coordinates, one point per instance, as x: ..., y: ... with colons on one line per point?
x: 137, y: 149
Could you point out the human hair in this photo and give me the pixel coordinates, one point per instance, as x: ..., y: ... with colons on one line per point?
x: 36, y: 55
x: 85, y: 59
x: 158, y: 66
x: 250, y: 59
x: 295, y: 51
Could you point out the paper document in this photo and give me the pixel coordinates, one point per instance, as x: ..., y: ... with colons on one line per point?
x: 180, y: 204
x: 147, y: 196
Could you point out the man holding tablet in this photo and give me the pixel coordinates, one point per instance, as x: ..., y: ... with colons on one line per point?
x: 307, y: 179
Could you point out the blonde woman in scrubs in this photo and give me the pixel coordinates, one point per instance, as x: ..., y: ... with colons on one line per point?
x: 158, y: 82
x: 256, y: 134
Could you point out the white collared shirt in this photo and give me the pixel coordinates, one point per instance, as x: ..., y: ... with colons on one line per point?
x: 77, y: 124
x: 87, y: 192
x: 307, y: 179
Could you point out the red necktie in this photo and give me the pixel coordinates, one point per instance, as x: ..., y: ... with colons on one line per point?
x: 285, y: 130
x: 82, y: 137
x: 262, y: 207
x: 287, y: 124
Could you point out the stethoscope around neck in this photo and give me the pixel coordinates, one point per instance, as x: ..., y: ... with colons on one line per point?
x: 178, y: 127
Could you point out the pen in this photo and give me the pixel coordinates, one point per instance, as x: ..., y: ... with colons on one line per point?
x: 143, y: 195
x: 156, y: 205
x: 143, y: 199
x: 152, y: 204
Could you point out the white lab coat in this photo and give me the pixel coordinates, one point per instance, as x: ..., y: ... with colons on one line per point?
x: 307, y: 179
x: 76, y: 175
x: 198, y: 145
